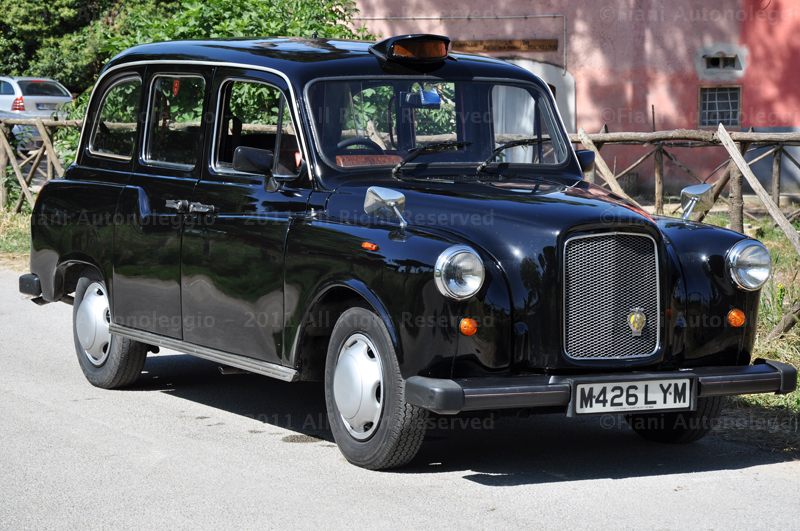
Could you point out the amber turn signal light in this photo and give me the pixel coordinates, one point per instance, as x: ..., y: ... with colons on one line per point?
x: 736, y: 317
x: 468, y: 327
x: 369, y: 246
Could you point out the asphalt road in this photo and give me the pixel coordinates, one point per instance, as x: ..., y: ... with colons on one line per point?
x: 188, y: 448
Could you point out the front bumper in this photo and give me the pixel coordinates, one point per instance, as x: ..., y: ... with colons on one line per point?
x: 448, y: 397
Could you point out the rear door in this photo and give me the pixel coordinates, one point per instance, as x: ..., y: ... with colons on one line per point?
x: 233, y: 296
x: 153, y: 207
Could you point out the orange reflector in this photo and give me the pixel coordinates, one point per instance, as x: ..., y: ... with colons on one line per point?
x: 468, y: 327
x: 736, y: 317
x: 370, y: 246
x: 298, y: 158
x: 420, y: 49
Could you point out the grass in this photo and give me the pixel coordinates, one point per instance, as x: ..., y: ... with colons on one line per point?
x: 15, y: 232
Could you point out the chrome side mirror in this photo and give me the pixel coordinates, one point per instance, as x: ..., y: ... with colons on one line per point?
x: 700, y: 196
x: 385, y: 202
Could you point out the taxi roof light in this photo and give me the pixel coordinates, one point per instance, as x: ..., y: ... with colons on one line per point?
x: 419, y: 48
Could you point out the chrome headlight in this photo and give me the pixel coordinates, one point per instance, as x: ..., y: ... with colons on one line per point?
x: 750, y: 264
x: 459, y: 272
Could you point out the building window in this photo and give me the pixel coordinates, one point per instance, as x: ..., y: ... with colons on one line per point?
x: 723, y: 61
x: 720, y: 105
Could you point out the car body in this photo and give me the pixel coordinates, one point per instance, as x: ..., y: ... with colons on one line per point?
x: 419, y: 236
x: 31, y: 97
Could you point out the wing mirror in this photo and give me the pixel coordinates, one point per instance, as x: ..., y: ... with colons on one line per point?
x: 385, y: 202
x: 586, y: 160
x: 700, y: 196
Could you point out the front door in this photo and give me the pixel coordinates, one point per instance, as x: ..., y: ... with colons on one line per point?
x: 232, y: 283
x: 154, y: 205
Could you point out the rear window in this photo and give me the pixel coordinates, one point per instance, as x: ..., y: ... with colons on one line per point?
x: 42, y: 88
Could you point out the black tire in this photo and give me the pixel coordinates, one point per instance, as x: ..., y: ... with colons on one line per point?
x: 397, y: 436
x: 678, y: 427
x: 125, y: 358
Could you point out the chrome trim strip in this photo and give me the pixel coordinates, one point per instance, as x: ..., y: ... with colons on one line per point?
x: 295, y: 101
x: 240, y: 362
x: 564, y: 295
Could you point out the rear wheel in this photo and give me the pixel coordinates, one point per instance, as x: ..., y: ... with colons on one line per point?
x: 107, y: 361
x: 678, y: 427
x: 365, y: 395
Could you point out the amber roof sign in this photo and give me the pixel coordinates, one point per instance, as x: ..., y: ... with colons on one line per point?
x: 511, y: 45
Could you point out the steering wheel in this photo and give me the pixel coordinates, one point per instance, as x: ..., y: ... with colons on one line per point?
x: 359, y: 140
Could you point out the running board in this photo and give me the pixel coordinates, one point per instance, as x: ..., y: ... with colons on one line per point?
x: 248, y: 364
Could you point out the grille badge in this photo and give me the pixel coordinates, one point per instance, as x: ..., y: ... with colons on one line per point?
x: 636, y: 321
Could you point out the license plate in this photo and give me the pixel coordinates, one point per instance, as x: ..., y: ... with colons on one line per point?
x: 624, y: 397
x: 46, y: 106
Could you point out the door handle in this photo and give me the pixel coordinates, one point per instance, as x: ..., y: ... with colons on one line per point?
x: 181, y: 205
x: 200, y: 208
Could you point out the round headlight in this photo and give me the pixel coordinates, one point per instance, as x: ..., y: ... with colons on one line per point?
x: 459, y: 272
x: 750, y: 264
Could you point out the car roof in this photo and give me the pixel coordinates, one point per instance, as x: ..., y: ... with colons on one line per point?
x: 305, y: 59
x: 28, y: 78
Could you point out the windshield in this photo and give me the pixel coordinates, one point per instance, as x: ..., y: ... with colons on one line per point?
x: 360, y: 122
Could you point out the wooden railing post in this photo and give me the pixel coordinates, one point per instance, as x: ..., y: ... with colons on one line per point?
x: 3, y: 177
x: 660, y: 181
x: 776, y: 175
x: 736, y: 208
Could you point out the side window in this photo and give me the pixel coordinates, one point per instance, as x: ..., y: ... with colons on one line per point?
x: 256, y: 115
x: 6, y: 89
x: 517, y: 115
x: 115, y: 130
x: 174, y: 122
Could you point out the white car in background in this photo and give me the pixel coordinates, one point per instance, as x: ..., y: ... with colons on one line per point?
x: 31, y: 97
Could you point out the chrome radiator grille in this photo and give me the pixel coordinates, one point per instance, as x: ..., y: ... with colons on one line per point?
x: 606, y: 277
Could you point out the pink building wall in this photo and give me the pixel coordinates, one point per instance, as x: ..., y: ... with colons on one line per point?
x: 629, y: 56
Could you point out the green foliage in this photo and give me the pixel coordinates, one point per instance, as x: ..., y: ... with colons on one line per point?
x: 24, y: 24
x: 213, y: 19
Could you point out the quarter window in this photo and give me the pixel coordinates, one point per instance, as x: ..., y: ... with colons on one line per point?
x: 6, y: 89
x: 256, y: 115
x: 720, y: 105
x: 174, y: 129
x: 115, y: 130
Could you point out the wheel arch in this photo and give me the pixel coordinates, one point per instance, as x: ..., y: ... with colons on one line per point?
x: 310, y: 345
x: 68, y: 272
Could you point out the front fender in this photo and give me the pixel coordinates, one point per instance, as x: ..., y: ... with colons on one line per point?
x: 397, y: 280
x: 710, y: 294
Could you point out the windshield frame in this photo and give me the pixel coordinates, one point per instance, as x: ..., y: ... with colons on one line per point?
x: 568, y: 165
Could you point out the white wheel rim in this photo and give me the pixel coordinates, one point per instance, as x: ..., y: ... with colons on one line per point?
x: 358, y: 386
x: 91, y: 324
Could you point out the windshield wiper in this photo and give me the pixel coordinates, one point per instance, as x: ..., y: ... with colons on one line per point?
x: 513, y: 143
x: 414, y: 153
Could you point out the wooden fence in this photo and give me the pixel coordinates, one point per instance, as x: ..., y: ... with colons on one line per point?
x: 8, y: 156
x: 662, y: 144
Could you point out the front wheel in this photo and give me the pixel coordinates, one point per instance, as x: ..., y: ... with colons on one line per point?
x: 678, y: 427
x: 107, y: 361
x: 371, y: 422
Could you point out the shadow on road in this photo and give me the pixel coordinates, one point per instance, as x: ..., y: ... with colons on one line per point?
x: 506, y: 452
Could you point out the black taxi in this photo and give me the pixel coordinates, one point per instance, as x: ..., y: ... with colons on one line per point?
x: 409, y: 226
